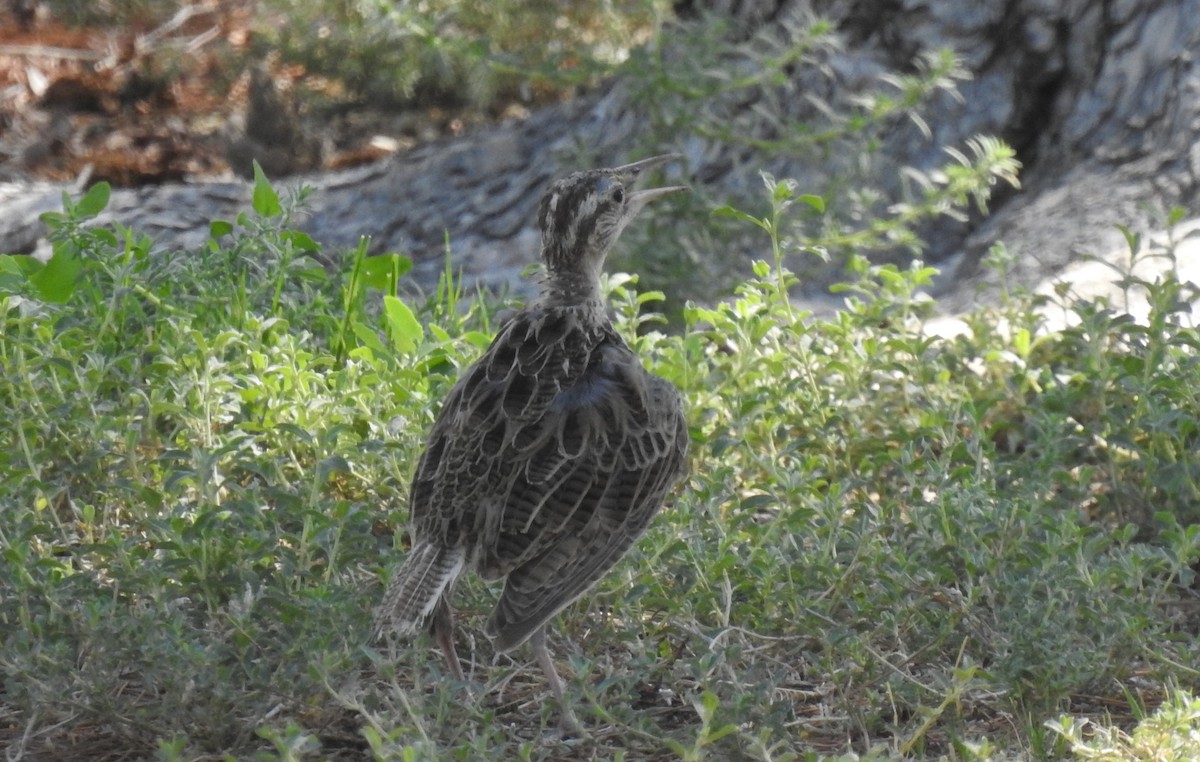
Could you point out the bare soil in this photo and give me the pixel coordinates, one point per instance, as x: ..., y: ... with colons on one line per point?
x: 169, y: 100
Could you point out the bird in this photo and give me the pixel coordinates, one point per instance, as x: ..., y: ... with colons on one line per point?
x: 551, y: 453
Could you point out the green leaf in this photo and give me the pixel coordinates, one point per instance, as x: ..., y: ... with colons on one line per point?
x: 737, y: 214
x: 53, y: 220
x: 679, y: 749
x: 716, y: 735
x: 783, y: 190
x: 889, y: 275
x: 104, y: 235
x: 301, y: 241
x: 477, y: 339
x: 381, y: 272
x: 12, y: 276
x: 367, y: 337
x: 334, y: 464
x: 403, y: 326
x: 23, y: 263
x: 56, y: 281
x: 706, y: 707
x: 619, y: 280
x: 363, y: 354
x: 1132, y: 240
x: 265, y: 200
x: 816, y: 202
x: 299, y: 432
x: 1022, y: 340
x: 94, y: 201
x: 924, y: 276
x: 8, y: 264
x: 218, y: 228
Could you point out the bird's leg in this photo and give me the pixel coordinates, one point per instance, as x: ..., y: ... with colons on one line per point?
x: 441, y: 624
x: 569, y: 722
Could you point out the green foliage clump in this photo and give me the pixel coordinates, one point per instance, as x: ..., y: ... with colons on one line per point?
x: 450, y: 53
x: 783, y: 93
x: 193, y: 472
x: 891, y: 544
x: 1170, y: 734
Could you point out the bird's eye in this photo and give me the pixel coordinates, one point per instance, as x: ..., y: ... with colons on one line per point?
x: 618, y: 194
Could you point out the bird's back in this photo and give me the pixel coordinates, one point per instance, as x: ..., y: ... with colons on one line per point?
x: 549, y: 458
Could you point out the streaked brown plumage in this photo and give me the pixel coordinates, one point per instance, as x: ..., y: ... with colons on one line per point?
x: 553, y: 451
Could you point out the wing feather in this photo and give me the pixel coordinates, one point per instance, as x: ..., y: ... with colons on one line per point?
x: 548, y: 460
x: 592, y: 519
x: 611, y: 515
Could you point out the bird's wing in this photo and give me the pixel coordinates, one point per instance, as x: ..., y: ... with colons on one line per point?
x: 496, y: 406
x: 591, y: 481
x: 549, y: 458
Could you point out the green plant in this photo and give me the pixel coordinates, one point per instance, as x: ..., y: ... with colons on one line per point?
x: 890, y: 544
x: 772, y: 92
x: 456, y: 54
x: 1171, y: 733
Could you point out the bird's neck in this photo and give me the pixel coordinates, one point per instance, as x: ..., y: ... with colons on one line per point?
x: 569, y: 287
x: 570, y: 279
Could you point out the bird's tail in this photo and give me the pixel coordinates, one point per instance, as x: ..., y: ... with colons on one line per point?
x: 416, y: 587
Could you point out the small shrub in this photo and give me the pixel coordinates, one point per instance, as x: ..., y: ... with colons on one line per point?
x: 1171, y: 734
x: 459, y: 55
x: 890, y: 544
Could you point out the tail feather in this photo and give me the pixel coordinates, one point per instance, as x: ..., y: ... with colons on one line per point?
x: 416, y: 587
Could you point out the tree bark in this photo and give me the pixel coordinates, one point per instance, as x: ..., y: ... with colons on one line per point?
x: 1100, y: 100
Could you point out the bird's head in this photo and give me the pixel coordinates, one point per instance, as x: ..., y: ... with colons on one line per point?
x: 583, y: 214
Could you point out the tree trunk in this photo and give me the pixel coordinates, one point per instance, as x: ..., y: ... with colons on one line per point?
x: 1100, y: 100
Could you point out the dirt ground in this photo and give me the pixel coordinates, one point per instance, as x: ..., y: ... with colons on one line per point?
x: 184, y: 98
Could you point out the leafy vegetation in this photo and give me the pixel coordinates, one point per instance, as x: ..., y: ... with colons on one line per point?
x: 721, y: 91
x: 779, y: 90
x: 450, y: 53
x: 1171, y: 733
x: 890, y: 545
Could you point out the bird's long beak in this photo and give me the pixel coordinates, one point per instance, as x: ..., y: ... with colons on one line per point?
x: 636, y: 168
x: 630, y: 172
x: 638, y: 199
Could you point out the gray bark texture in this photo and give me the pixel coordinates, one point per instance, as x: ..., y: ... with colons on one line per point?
x: 1101, y: 101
